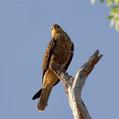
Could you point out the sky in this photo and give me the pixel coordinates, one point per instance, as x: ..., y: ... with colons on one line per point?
x: 24, y: 35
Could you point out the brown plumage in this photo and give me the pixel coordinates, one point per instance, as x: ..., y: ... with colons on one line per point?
x: 59, y: 51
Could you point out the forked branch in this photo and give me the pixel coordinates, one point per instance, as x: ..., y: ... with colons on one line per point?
x: 73, y: 85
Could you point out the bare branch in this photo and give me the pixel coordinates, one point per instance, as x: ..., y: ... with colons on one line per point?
x: 73, y: 85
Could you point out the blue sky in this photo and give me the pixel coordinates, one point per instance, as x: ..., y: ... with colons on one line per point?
x: 24, y: 35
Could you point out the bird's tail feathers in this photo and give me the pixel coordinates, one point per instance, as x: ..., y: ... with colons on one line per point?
x: 37, y: 95
x: 44, y: 98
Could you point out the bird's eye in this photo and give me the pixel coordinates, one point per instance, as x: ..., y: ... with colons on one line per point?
x: 51, y: 28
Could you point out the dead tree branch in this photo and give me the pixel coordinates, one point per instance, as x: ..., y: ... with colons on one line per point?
x: 74, y: 85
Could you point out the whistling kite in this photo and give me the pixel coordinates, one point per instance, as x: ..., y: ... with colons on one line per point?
x: 59, y: 51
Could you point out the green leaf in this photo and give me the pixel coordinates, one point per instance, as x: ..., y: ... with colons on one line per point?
x: 116, y: 19
x: 101, y: 1
x: 115, y: 9
x: 116, y: 2
x: 117, y: 27
x: 110, y: 17
x: 109, y: 2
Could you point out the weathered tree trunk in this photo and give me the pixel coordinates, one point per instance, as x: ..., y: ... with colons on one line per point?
x: 73, y: 85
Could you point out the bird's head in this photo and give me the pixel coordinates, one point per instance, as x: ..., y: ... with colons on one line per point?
x: 55, y: 29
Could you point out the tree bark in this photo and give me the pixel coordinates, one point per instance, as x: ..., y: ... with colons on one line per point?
x: 74, y: 85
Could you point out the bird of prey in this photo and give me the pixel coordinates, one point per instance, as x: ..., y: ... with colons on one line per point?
x: 59, y: 51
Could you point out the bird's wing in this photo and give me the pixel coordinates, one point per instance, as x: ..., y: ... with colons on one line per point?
x: 47, y: 56
x: 71, y: 56
x: 69, y: 61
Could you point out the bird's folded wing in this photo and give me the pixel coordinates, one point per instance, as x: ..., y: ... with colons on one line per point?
x: 47, y: 56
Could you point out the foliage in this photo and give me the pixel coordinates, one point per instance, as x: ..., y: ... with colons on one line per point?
x: 114, y: 12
